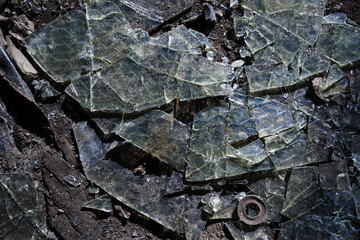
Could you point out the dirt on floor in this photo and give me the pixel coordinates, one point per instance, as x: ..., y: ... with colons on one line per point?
x: 55, y: 157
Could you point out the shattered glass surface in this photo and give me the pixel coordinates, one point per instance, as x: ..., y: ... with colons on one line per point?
x: 21, y: 214
x: 291, y: 138
x: 293, y: 41
x: 113, y: 69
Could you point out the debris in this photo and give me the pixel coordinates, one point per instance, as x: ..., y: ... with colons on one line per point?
x: 220, y: 207
x: 22, y: 27
x: 252, y: 210
x: 219, y: 13
x: 203, y: 22
x: 237, y: 64
x: 316, y: 83
x: 14, y: 87
x: 23, y: 64
x: 94, y: 190
x: 209, y: 14
x: 9, y: 72
x: 122, y: 213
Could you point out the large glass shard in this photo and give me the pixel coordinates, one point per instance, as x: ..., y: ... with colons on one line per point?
x: 272, y: 190
x: 296, y: 153
x: 292, y: 41
x: 20, y: 212
x: 143, y: 194
x: 241, y: 126
x: 271, y: 117
x: 118, y: 72
x: 148, y: 14
x: 303, y: 193
x: 160, y: 134
x: 61, y: 45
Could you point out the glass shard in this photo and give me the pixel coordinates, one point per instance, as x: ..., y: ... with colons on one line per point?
x: 102, y: 204
x: 271, y: 117
x: 220, y: 207
x: 45, y: 90
x: 21, y: 214
x: 303, y: 193
x: 272, y: 190
x: 160, y: 134
x: 175, y: 184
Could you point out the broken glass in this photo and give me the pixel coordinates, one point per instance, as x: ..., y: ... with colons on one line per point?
x: 212, y: 156
x: 116, y: 71
x: 44, y: 90
x: 176, y: 184
x: 290, y: 149
x: 21, y: 213
x: 303, y: 192
x: 293, y: 41
x: 220, y: 207
x: 272, y: 190
x: 143, y: 194
x: 333, y: 218
x: 239, y: 231
x: 102, y: 204
x: 160, y: 134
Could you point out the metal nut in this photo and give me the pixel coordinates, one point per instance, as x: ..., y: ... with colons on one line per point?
x: 243, y: 211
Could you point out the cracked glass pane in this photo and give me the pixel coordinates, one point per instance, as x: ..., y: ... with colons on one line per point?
x: 292, y: 41
x: 160, y: 134
x: 116, y: 71
x: 272, y: 190
x: 21, y: 213
x: 303, y: 192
